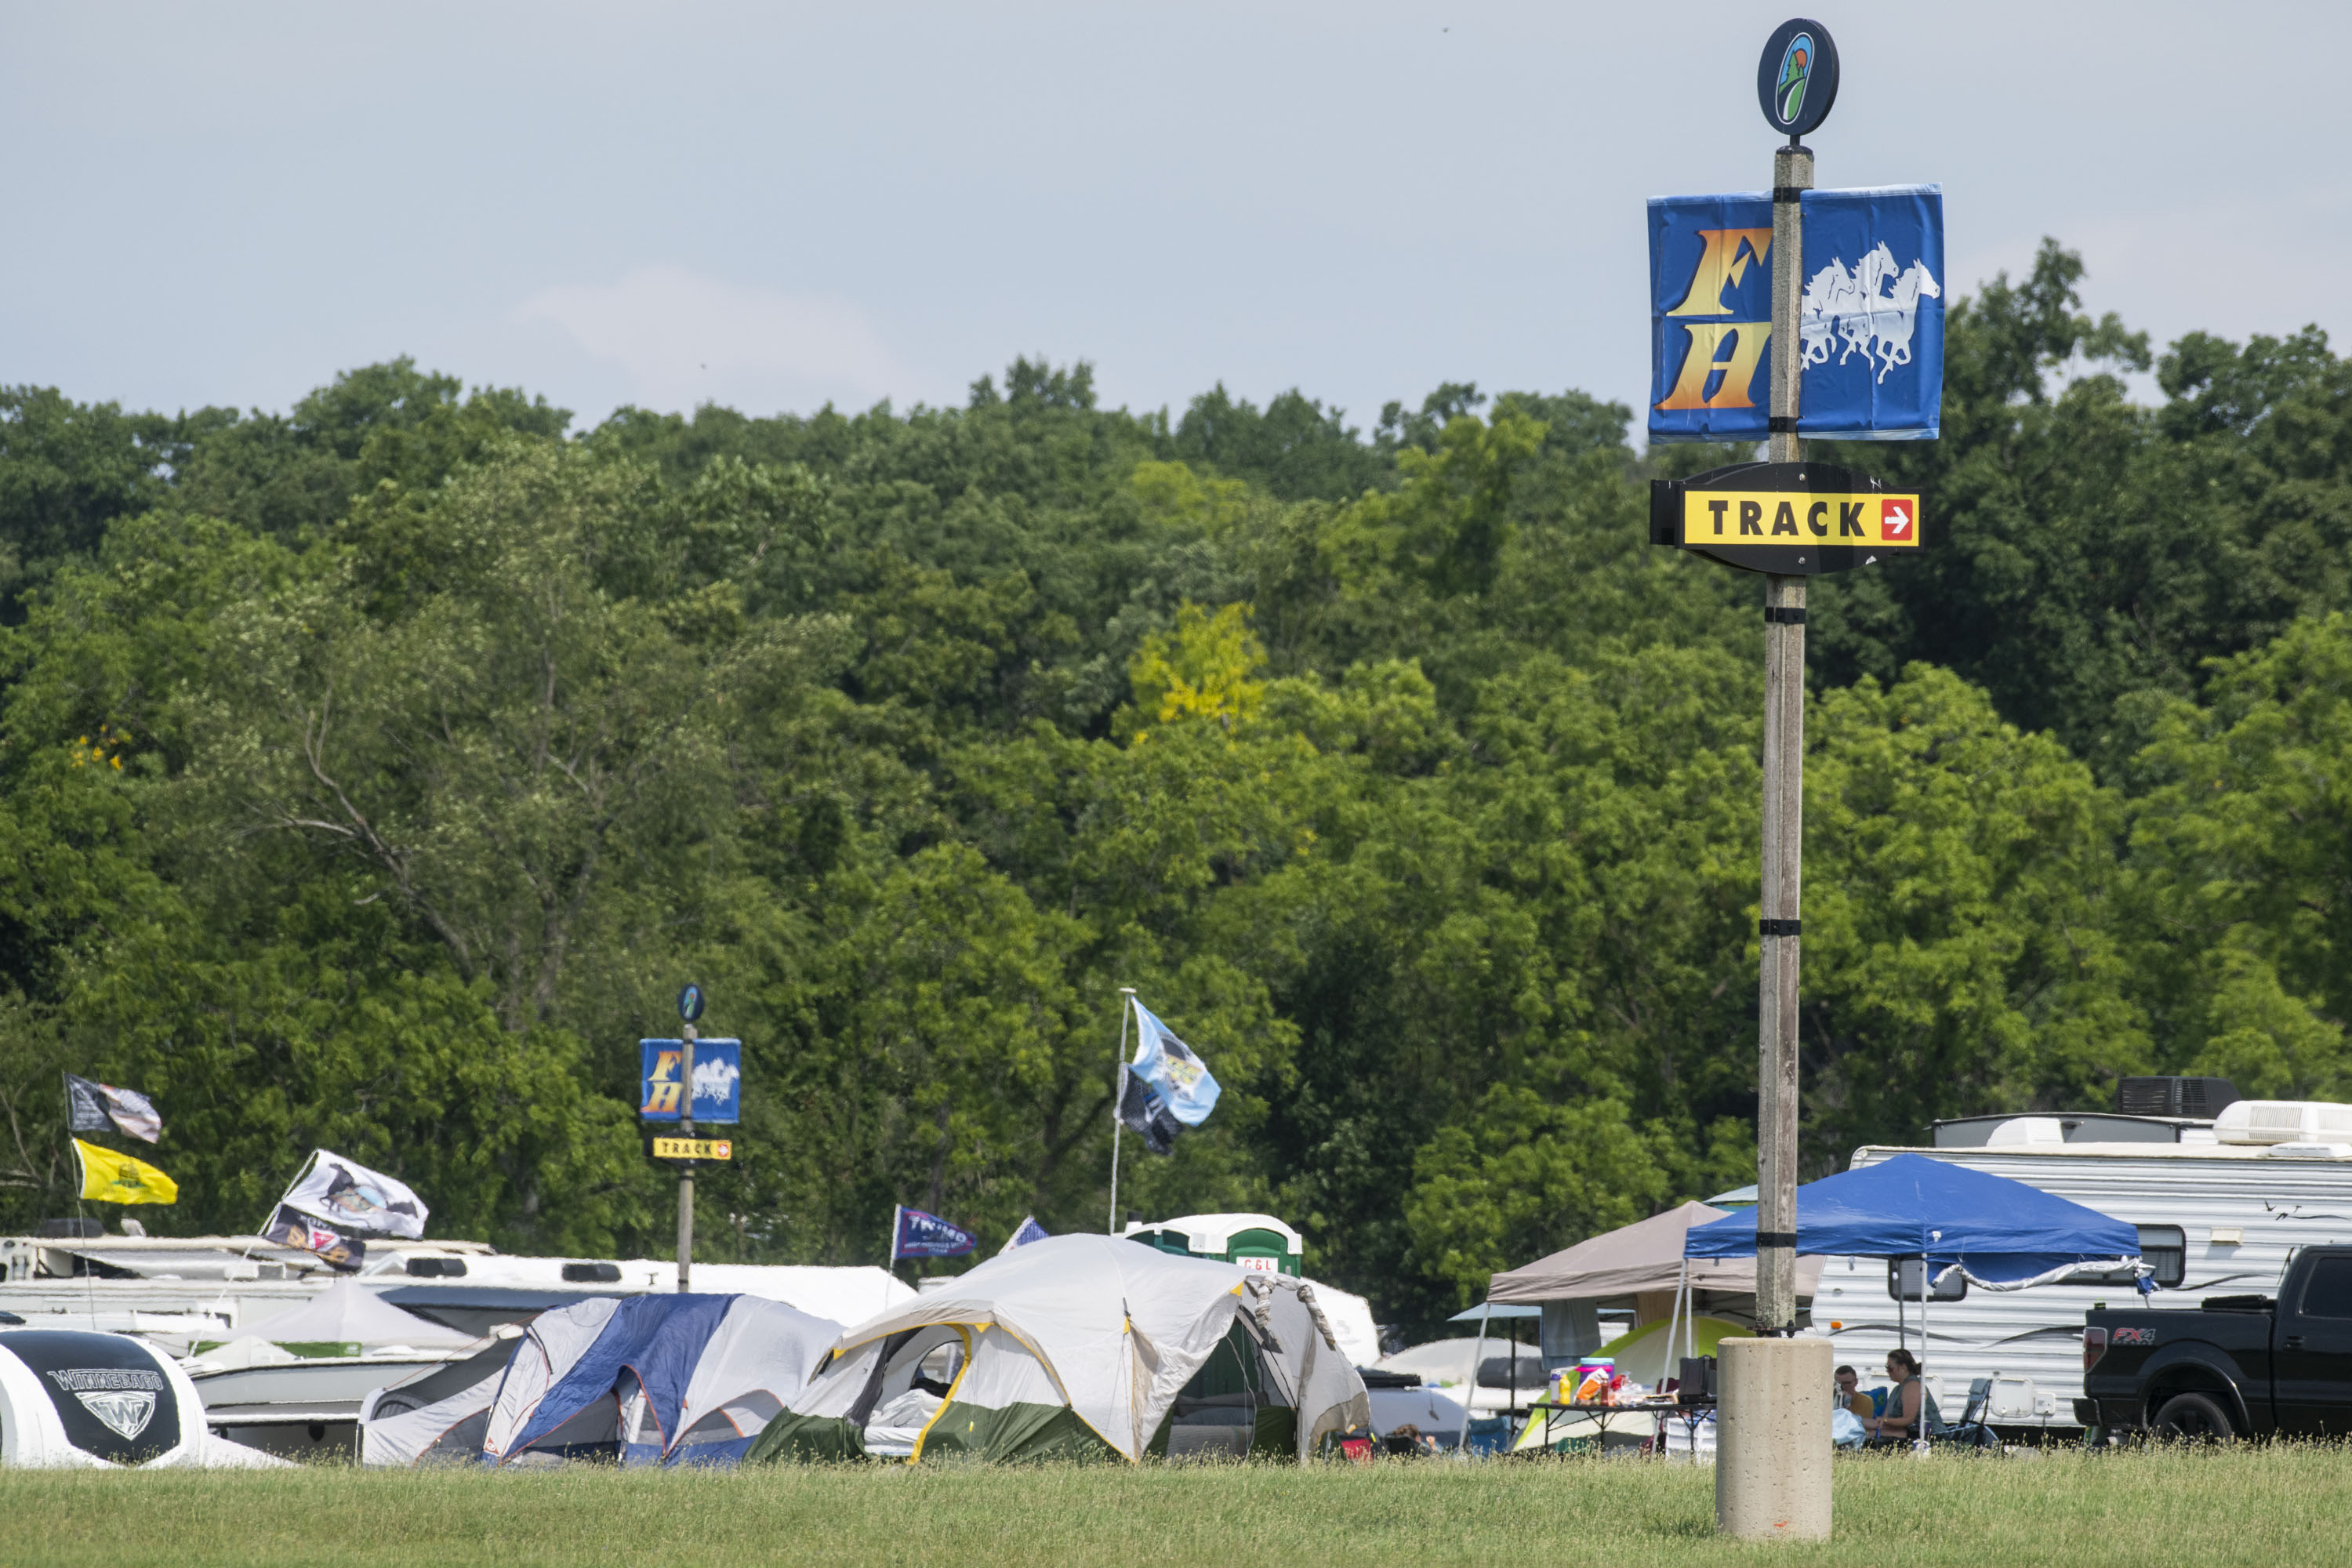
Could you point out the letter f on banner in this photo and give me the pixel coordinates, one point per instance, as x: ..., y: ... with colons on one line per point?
x: 1721, y: 265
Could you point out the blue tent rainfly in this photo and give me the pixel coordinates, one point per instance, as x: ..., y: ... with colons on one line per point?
x: 2001, y: 1235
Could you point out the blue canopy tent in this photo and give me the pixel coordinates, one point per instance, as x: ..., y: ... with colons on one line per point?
x: 2002, y: 1235
x: 1999, y: 1234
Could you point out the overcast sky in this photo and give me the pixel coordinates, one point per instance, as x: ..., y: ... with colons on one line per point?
x: 774, y: 206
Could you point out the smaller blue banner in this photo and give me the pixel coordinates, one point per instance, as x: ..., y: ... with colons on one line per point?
x: 920, y: 1235
x: 718, y: 1079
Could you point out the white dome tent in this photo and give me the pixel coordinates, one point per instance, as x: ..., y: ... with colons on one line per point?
x: 1081, y: 1346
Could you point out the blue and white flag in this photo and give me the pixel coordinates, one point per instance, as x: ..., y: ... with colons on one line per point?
x: 1872, y: 316
x: 914, y: 1233
x: 1166, y: 1087
x: 1030, y: 1231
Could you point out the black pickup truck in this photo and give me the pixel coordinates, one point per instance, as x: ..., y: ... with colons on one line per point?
x: 2243, y: 1366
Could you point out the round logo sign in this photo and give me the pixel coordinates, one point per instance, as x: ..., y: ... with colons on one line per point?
x: 689, y: 1003
x: 1797, y: 79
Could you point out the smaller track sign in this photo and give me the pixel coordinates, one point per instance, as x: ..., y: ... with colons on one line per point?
x: 694, y: 1149
x: 1801, y: 519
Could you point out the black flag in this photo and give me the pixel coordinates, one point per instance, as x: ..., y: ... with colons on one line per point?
x: 290, y: 1227
x: 1142, y: 1110
x: 102, y: 1108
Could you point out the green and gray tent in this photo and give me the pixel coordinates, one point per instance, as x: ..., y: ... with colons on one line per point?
x: 1080, y: 1346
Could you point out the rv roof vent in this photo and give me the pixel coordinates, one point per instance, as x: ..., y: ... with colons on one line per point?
x: 2028, y: 1130
x: 2174, y: 1096
x: 2283, y: 1121
x: 592, y: 1273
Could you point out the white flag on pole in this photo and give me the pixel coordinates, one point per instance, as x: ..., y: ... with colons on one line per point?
x: 346, y: 1194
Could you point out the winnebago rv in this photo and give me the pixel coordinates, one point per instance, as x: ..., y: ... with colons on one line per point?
x: 2223, y: 1193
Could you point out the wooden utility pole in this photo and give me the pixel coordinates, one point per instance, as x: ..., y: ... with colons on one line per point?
x: 1784, y: 790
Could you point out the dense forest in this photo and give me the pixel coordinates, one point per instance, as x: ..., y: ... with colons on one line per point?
x: 373, y: 775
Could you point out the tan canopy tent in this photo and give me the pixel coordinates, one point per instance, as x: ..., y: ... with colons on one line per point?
x: 1636, y: 1260
x: 1643, y: 1264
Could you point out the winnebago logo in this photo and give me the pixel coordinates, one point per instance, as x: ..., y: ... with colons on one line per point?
x: 122, y: 1397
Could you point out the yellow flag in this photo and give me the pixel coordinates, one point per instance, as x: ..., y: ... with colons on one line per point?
x: 117, y: 1178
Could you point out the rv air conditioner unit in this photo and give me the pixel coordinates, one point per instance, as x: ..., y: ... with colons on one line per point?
x: 2283, y: 1121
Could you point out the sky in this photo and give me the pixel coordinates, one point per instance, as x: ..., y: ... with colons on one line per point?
x: 774, y: 206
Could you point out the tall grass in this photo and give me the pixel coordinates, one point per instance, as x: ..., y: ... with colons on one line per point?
x: 2280, y: 1505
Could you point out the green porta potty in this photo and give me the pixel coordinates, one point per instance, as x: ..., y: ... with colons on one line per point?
x: 1256, y: 1241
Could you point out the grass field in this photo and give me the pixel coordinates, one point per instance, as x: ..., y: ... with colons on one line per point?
x: 2284, y: 1505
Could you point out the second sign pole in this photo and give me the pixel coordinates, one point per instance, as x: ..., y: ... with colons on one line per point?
x: 686, y: 1167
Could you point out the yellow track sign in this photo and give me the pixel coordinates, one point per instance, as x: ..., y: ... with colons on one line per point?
x: 693, y: 1149
x: 1796, y: 518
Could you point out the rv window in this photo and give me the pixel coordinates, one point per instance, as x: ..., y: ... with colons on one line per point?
x: 2163, y: 1247
x: 1954, y: 1287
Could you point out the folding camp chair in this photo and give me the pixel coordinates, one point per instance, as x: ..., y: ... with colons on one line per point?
x: 1969, y: 1431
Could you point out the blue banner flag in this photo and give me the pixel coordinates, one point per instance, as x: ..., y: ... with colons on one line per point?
x: 1173, y: 1069
x: 1872, y: 315
x: 718, y: 1079
x: 914, y: 1233
x: 1030, y: 1231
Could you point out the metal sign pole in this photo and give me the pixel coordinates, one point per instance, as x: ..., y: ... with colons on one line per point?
x: 686, y: 1167
x: 1118, y: 1085
x: 1784, y: 793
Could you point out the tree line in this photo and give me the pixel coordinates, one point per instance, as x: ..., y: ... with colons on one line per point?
x: 371, y: 776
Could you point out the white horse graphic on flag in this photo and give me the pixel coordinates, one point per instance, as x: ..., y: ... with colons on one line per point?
x: 1856, y: 307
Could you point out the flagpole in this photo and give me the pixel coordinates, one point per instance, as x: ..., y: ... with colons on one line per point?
x: 896, y: 1210
x: 261, y: 1231
x: 1118, y: 1085
x: 81, y: 1180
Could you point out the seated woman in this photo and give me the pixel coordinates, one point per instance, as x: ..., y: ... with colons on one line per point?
x: 1910, y: 1409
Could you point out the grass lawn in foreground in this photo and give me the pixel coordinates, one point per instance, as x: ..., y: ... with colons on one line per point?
x: 2279, y: 1505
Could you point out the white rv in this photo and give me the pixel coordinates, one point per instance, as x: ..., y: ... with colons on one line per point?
x: 2222, y: 1203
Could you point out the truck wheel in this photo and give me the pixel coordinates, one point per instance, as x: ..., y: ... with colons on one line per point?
x: 2193, y: 1418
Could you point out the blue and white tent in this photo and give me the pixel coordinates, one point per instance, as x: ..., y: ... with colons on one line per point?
x: 652, y: 1380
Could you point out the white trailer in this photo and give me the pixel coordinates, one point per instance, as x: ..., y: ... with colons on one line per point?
x: 2215, y: 1217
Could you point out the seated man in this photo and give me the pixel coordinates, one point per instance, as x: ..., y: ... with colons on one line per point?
x: 1849, y: 1396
